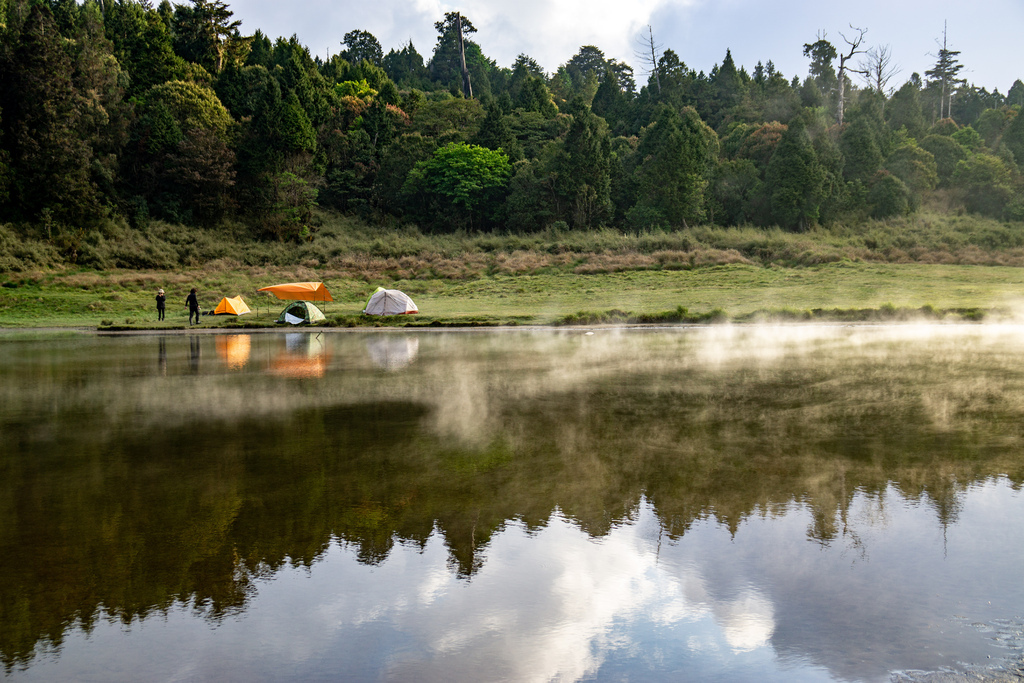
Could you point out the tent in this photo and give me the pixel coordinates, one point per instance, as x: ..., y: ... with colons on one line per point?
x: 301, y: 291
x: 389, y: 302
x: 300, y: 312
x: 232, y: 306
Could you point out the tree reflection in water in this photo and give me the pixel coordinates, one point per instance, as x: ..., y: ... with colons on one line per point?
x: 127, y: 489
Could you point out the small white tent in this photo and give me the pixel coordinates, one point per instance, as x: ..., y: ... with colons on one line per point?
x: 389, y: 302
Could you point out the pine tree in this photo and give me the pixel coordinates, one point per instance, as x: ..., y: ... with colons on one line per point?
x: 944, y: 73
x: 584, y: 168
x: 795, y: 179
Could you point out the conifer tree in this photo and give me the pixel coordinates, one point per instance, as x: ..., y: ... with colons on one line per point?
x: 795, y: 179
x: 944, y: 73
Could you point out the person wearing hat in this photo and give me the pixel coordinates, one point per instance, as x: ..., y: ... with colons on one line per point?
x: 161, y: 302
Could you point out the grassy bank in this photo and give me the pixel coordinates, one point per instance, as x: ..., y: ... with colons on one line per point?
x: 728, y: 292
x: 938, y: 265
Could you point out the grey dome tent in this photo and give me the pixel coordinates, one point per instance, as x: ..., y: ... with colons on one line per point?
x: 389, y: 302
x: 299, y: 312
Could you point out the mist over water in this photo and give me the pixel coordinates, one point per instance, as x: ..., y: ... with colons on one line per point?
x: 720, y: 503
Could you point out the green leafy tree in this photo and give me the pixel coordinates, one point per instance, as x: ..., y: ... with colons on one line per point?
x: 729, y: 90
x: 362, y: 45
x: 822, y: 74
x: 759, y: 144
x: 261, y: 51
x: 916, y: 168
x: 461, y: 185
x: 1013, y: 138
x: 888, y: 196
x: 947, y: 153
x: 991, y: 125
x: 986, y: 183
x: 795, y: 179
x: 496, y: 133
x: 182, y: 165
x: 738, y: 193
x: 904, y: 111
x: 528, y: 207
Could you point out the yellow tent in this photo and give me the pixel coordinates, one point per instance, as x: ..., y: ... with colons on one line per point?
x: 303, y: 291
x: 232, y: 306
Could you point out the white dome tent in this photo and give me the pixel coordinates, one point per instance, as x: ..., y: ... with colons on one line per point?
x: 389, y: 302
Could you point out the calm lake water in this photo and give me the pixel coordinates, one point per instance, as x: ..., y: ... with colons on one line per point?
x: 725, y: 503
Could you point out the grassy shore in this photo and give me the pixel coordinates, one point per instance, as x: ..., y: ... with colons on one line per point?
x: 930, y: 265
x: 738, y: 292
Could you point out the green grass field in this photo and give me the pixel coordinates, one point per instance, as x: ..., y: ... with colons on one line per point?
x: 126, y: 298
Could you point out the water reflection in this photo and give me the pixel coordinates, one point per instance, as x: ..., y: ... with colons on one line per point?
x: 736, y: 504
x: 304, y: 356
x: 162, y: 355
x: 195, y: 353
x: 393, y: 352
x: 234, y: 349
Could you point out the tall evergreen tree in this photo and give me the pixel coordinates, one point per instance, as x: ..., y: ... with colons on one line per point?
x: 679, y: 153
x: 583, y: 168
x: 206, y: 35
x: 360, y: 45
x: 945, y: 74
x: 795, y: 179
x: 45, y: 127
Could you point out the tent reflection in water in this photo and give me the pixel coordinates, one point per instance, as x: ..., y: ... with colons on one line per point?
x: 303, y: 357
x: 389, y: 302
x: 232, y: 306
x: 393, y: 353
x: 234, y: 349
x: 299, y: 312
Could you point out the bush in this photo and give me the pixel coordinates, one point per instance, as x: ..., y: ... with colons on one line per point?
x: 889, y: 196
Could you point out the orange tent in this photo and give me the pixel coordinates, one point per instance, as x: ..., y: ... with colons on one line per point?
x: 231, y: 306
x: 303, y: 291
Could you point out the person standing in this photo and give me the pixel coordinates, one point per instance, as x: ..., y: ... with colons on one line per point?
x: 161, y: 304
x: 193, y: 306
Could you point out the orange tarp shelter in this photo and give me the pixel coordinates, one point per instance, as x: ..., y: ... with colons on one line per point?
x: 302, y: 291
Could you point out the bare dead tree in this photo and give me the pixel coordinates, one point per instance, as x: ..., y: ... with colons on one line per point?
x: 467, y: 87
x: 647, y: 53
x: 878, y: 69
x: 855, y: 49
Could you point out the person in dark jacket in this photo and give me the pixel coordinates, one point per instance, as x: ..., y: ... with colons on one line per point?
x: 161, y: 304
x: 193, y: 306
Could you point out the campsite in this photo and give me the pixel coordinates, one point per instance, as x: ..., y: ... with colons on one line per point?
x: 879, y: 291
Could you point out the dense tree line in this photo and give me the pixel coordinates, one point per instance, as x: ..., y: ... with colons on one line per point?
x: 121, y: 111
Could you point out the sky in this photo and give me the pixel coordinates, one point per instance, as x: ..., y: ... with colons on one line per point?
x: 986, y: 32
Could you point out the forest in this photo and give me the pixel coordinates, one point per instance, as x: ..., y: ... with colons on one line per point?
x: 115, y: 115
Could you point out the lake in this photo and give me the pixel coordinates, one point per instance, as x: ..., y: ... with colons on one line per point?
x: 790, y: 503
